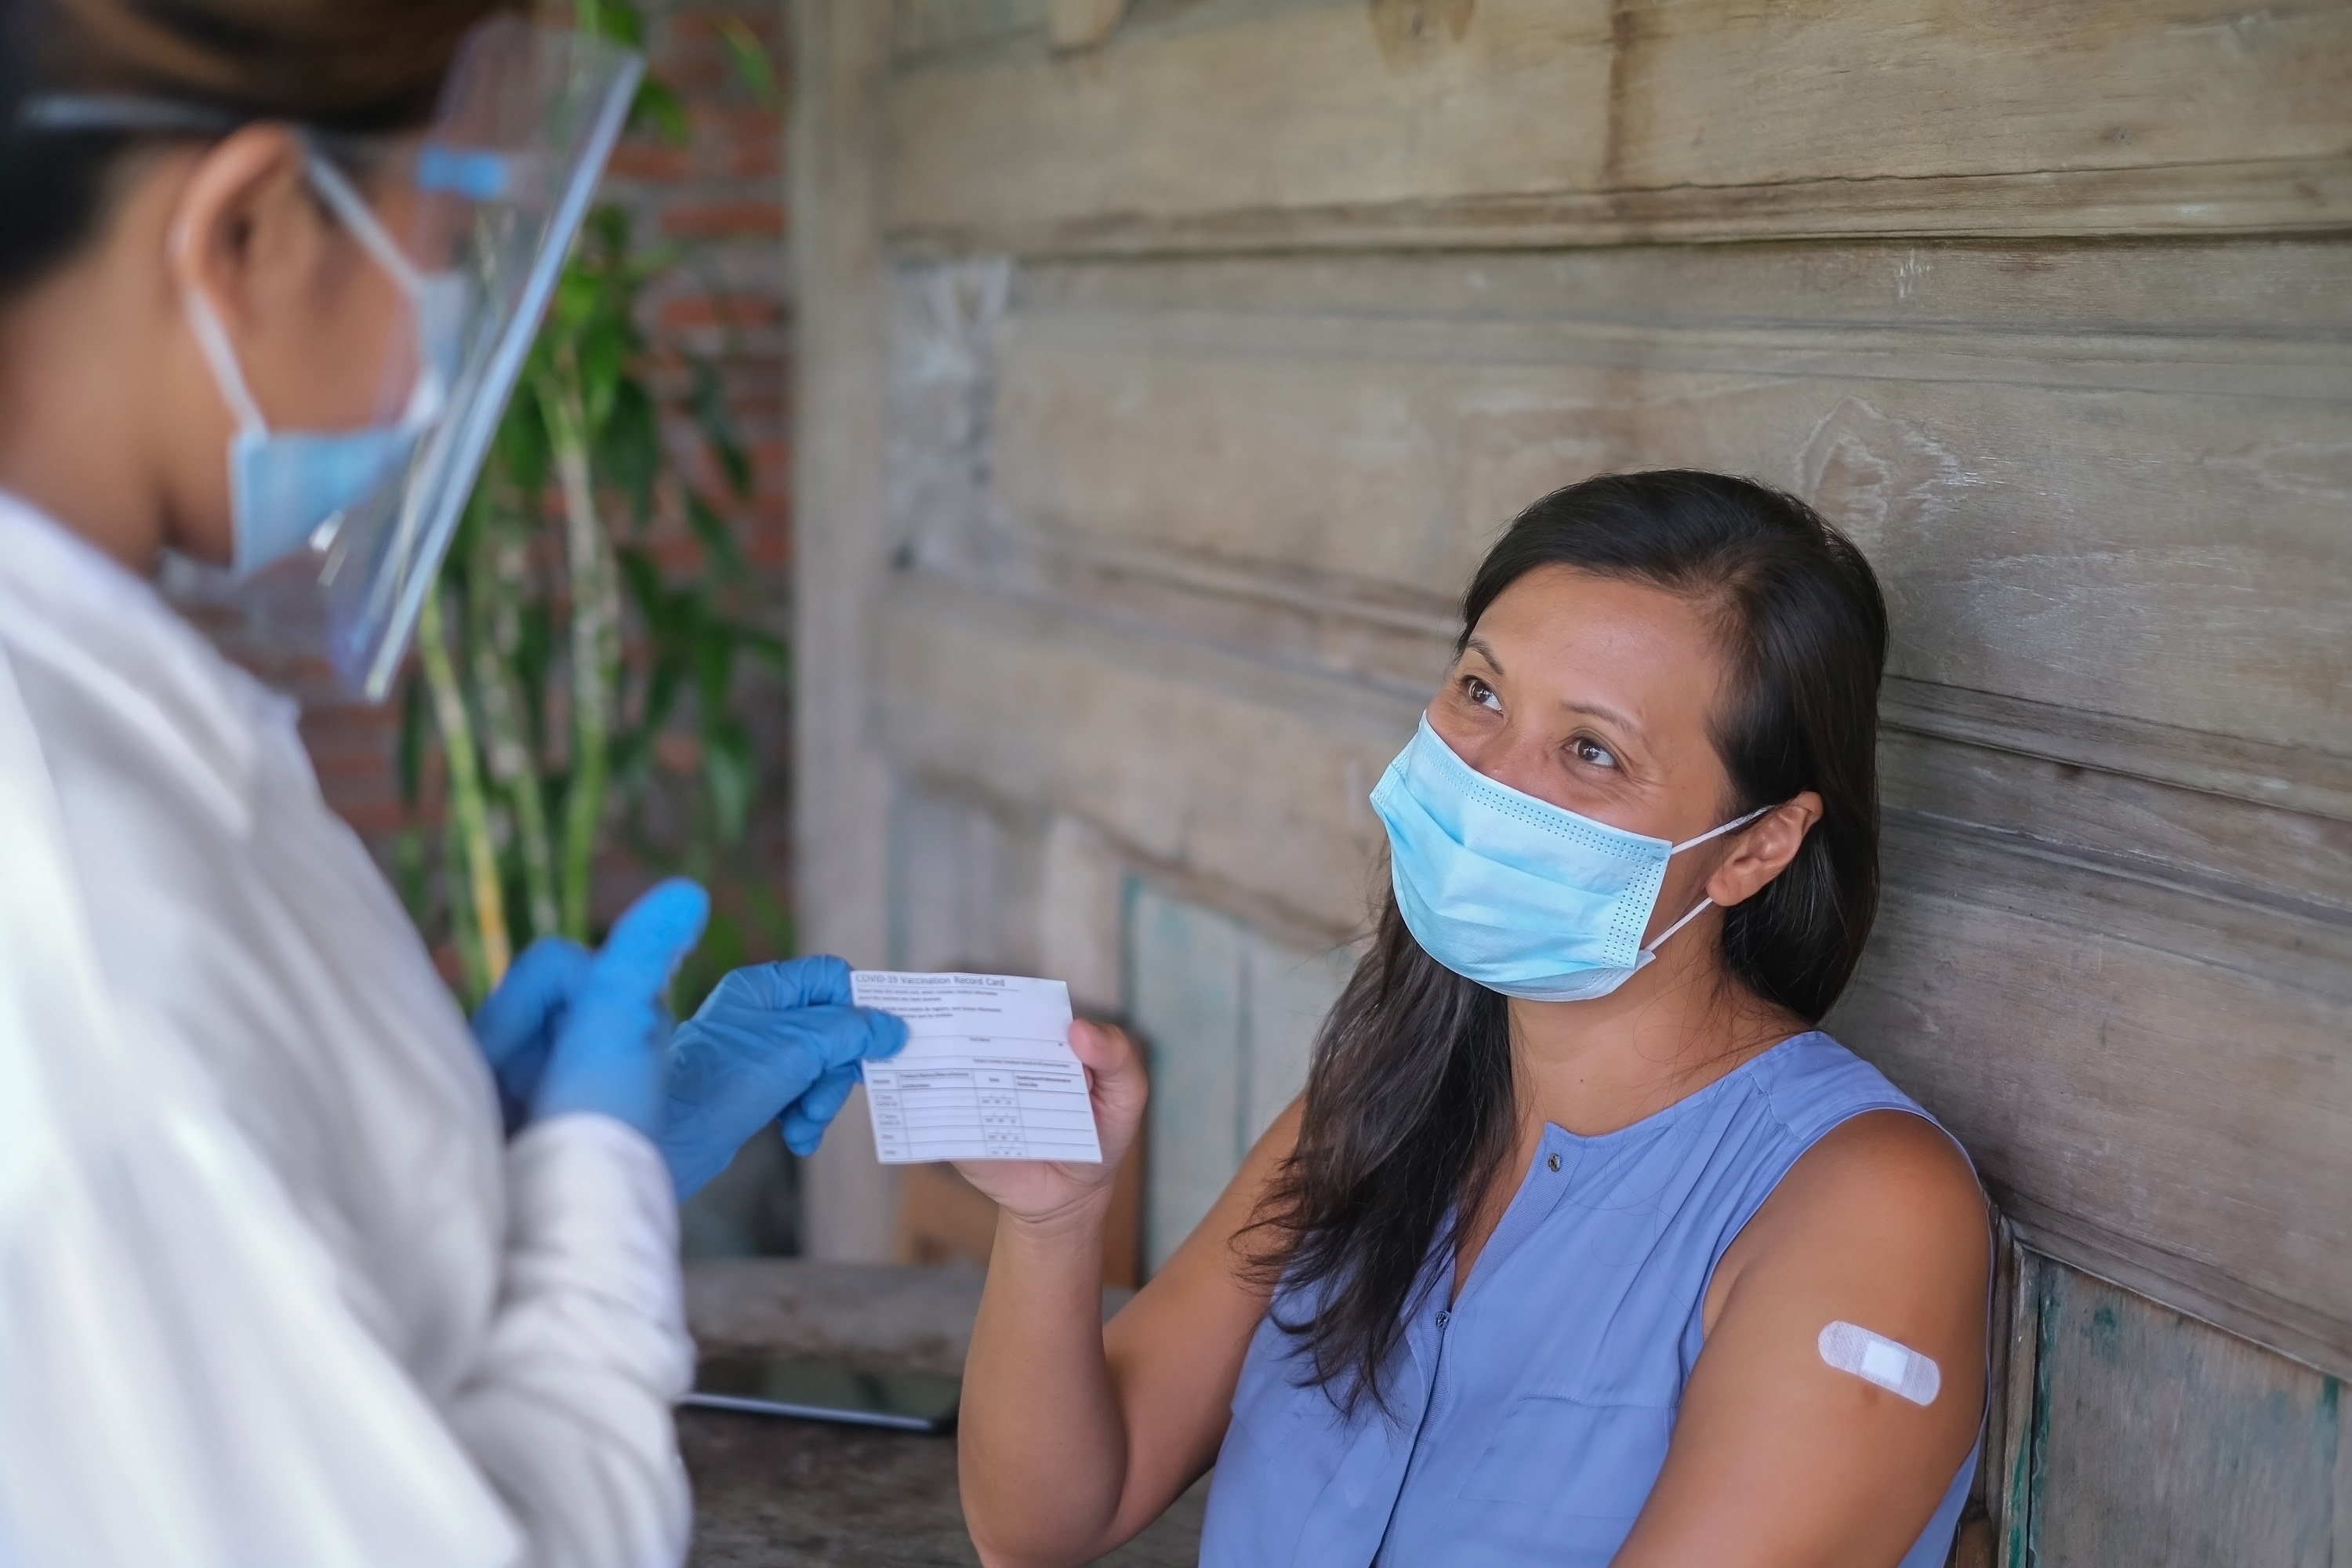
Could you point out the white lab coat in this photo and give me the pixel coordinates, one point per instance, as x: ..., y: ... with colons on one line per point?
x: 274, y: 1288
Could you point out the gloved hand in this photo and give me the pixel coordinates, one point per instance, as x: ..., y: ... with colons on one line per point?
x: 605, y: 1054
x: 773, y: 1039
x: 516, y: 1027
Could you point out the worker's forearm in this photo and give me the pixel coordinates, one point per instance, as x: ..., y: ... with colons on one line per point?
x: 1042, y: 1443
x: 568, y: 1410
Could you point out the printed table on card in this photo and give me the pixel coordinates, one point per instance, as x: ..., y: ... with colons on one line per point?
x: 987, y: 1072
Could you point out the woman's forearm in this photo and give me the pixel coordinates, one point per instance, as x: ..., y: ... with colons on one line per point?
x: 1043, y: 1443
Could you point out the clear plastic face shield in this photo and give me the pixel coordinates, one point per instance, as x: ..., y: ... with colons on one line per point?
x: 342, y: 530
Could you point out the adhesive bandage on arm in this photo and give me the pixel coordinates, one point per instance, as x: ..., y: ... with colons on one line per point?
x: 1874, y: 1358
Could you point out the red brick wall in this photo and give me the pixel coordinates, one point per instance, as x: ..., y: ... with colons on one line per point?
x: 721, y: 197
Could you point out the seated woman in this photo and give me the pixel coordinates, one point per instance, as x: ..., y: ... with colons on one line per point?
x: 1544, y: 1265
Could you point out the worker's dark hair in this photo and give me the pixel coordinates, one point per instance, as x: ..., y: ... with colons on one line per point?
x: 352, y: 66
x: 1409, y: 1109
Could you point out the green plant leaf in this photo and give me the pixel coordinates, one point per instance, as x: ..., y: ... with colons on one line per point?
x: 578, y: 296
x: 753, y: 68
x: 733, y: 775
x: 619, y: 20
x: 714, y: 666
x: 605, y: 239
x: 629, y: 448
x: 413, y: 875
x: 660, y: 110
x: 520, y: 456
x: 774, y: 917
x: 534, y: 660
x: 661, y: 699
x: 715, y: 536
x: 767, y: 648
x: 409, y: 758
x: 651, y: 263
x: 641, y: 575
x: 629, y: 768
x: 603, y: 359
x: 708, y: 400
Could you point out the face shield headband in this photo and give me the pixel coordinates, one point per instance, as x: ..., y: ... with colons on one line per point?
x: 343, y: 532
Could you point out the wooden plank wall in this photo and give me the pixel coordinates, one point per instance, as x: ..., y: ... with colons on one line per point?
x: 1212, y: 348
x: 1229, y: 1018
x: 2144, y: 1435
x: 1245, y: 124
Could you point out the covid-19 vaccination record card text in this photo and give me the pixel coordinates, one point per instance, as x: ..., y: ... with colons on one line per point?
x: 987, y: 1072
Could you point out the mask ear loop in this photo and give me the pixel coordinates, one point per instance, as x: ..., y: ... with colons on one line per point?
x: 351, y: 209
x: 1696, y: 910
x: 1703, y: 903
x: 353, y: 213
x: 212, y: 340
x: 1732, y: 825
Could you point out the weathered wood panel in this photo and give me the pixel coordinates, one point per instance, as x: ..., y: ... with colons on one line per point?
x: 922, y: 28
x: 1552, y: 122
x: 1195, y: 760
x: 2291, y: 842
x: 1229, y: 1018
x: 2153, y: 1440
x: 2140, y: 1069
x: 961, y: 881
x: 1194, y: 121
x: 1290, y: 993
x: 2117, y: 520
x: 1187, y: 979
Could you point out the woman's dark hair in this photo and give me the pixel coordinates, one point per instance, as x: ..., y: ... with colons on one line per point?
x: 358, y: 66
x: 1409, y: 1109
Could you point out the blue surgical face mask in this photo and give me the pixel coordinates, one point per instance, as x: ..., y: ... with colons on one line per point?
x: 288, y: 488
x: 1514, y: 892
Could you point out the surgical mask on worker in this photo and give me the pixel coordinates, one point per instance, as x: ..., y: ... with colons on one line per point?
x: 342, y: 533
x: 1520, y: 895
x: 292, y: 488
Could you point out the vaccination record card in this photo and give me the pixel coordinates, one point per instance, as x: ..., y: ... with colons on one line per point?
x: 987, y: 1072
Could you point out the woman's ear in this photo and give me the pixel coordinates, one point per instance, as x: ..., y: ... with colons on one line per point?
x: 1762, y: 850
x: 245, y: 230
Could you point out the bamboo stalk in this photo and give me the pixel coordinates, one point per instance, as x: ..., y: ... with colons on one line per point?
x: 596, y: 638
x: 463, y: 935
x: 484, y: 951
x: 495, y: 578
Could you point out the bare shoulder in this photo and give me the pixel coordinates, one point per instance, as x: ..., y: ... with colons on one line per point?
x: 1882, y: 1175
x: 1889, y: 1158
x: 1886, y: 1197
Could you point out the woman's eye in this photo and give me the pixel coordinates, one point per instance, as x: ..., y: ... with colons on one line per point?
x: 1593, y: 752
x: 1481, y: 693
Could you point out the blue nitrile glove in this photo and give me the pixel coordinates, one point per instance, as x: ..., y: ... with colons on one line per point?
x: 606, y: 1052
x: 516, y: 1027
x: 776, y: 1039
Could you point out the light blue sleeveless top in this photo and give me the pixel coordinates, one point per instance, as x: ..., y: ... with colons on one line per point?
x: 1529, y: 1419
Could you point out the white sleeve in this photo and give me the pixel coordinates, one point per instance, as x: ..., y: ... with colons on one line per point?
x: 180, y: 1380
x: 570, y: 1411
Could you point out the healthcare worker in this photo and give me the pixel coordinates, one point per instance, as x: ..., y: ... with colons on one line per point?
x: 295, y: 1267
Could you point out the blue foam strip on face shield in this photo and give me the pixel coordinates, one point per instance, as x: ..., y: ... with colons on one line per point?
x: 476, y: 177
